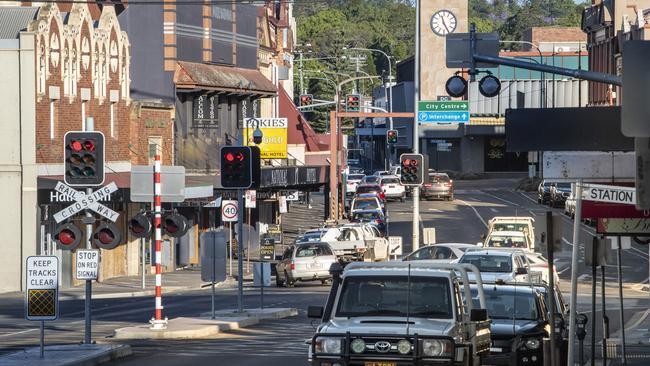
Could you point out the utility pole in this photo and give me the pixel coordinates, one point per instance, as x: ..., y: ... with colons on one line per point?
x: 302, y: 85
x: 415, y: 193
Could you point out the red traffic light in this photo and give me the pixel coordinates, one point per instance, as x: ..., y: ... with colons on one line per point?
x: 76, y: 145
x: 89, y: 145
x: 406, y: 162
x: 140, y: 225
x: 175, y: 225
x: 230, y: 157
x: 67, y: 236
x: 107, y: 236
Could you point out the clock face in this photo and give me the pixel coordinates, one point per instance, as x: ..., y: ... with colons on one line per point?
x: 443, y: 22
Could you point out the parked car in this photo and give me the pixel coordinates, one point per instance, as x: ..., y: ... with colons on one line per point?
x: 352, y: 182
x: 439, y: 186
x: 396, y: 313
x: 544, y: 191
x: 559, y: 193
x: 442, y: 251
x: 373, y: 217
x: 504, y: 265
x: 570, y: 206
x: 539, y: 263
x: 371, y: 188
x: 392, y: 188
x: 305, y: 262
x: 370, y: 179
x: 367, y: 201
x: 519, y: 324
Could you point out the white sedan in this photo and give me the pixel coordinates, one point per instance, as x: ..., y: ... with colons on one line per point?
x: 392, y: 188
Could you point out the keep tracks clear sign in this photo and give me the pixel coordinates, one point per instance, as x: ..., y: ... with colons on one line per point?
x: 42, y: 295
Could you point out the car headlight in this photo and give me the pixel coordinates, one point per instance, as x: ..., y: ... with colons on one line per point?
x: 533, y: 343
x: 404, y: 346
x: 437, y: 348
x: 333, y: 345
x: 358, y: 345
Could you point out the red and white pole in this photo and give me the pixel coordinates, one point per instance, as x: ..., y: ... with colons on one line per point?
x: 158, y: 322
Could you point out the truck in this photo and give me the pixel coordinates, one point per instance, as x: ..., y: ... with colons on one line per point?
x: 523, y: 224
x: 357, y: 242
x: 401, y: 313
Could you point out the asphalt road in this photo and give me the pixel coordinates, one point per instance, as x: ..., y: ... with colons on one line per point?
x: 282, y: 342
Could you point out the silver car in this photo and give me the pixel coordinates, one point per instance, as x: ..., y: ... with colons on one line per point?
x: 305, y: 262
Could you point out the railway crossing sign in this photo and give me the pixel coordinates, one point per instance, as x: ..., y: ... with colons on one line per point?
x: 83, y: 201
x: 42, y: 295
x: 229, y: 211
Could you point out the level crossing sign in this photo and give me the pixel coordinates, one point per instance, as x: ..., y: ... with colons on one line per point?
x: 83, y: 201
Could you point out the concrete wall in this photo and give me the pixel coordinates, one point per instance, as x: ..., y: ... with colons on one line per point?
x: 17, y: 159
x: 471, y: 154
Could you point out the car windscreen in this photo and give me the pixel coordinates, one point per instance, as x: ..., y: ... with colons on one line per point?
x: 367, y: 216
x: 367, y: 189
x: 489, y: 263
x: 390, y: 181
x: 437, y: 178
x: 365, y: 204
x: 427, y: 297
x: 356, y: 176
x: 509, y: 304
x: 310, y: 237
x: 563, y: 186
x: 523, y: 228
x: 498, y: 241
x: 312, y: 251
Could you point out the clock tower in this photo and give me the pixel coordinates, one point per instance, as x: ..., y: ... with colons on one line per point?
x: 437, y: 19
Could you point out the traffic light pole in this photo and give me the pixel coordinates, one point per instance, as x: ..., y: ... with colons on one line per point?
x: 88, y: 220
x: 240, y: 259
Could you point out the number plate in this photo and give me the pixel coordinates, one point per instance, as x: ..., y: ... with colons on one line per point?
x: 315, y: 266
x: 496, y: 349
x: 380, y: 364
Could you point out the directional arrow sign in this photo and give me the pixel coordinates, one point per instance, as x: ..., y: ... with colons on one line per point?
x: 443, y: 112
x: 84, y: 201
x: 605, y: 193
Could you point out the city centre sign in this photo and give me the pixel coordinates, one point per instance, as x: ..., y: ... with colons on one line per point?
x: 443, y: 112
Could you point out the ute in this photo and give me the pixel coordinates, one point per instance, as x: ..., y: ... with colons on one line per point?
x: 400, y: 313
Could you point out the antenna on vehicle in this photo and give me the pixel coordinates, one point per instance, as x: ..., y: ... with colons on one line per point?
x: 408, y: 300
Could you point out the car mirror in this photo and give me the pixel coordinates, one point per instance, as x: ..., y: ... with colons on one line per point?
x: 479, y: 244
x: 522, y: 271
x: 478, y: 315
x: 315, y: 312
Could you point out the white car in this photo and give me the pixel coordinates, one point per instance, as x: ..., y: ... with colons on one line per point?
x: 381, y: 173
x: 503, y: 265
x: 447, y: 252
x: 392, y: 188
x: 538, y: 263
x: 352, y: 182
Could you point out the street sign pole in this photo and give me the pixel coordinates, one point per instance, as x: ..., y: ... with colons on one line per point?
x: 415, y: 193
x: 574, y: 273
x: 550, y: 237
x: 89, y: 219
x: 158, y: 322
x: 620, y: 297
x: 240, y: 261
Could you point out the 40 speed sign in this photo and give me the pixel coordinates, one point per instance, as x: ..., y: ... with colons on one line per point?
x: 229, y: 211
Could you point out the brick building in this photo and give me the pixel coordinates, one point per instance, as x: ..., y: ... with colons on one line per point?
x: 555, y: 39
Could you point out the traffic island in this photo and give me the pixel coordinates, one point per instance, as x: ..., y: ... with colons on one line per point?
x: 260, y: 314
x: 186, y: 328
x: 65, y: 355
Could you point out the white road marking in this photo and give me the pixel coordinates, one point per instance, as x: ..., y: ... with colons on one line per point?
x: 502, y: 200
x: 640, y: 251
x: 476, y: 212
x: 526, y: 196
x: 435, y: 210
x: 494, y: 210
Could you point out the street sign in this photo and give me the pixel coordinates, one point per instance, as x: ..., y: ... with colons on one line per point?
x: 251, y: 198
x: 83, y: 201
x: 172, y: 183
x: 274, y: 136
x: 87, y: 264
x: 591, y: 166
x: 623, y: 226
x: 213, y: 256
x: 458, y: 52
x: 282, y: 202
x: 395, y: 245
x: 229, y: 211
x: 596, y: 210
x: 443, y: 112
x: 635, y: 110
x: 293, y: 196
x: 267, y: 249
x: 606, y: 193
x: 42, y: 295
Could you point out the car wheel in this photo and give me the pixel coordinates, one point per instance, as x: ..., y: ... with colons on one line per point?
x: 288, y: 282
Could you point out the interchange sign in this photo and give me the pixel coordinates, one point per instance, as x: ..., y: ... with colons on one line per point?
x: 443, y: 112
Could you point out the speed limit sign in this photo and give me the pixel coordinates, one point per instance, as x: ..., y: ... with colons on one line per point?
x: 229, y: 211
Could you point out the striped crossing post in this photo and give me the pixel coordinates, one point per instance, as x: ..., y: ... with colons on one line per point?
x: 157, y: 322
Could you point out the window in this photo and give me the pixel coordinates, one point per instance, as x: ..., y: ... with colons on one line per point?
x: 424, y: 253
x: 444, y: 253
x: 390, y: 181
x: 312, y: 251
x: 489, y: 263
x: 509, y: 305
x: 155, y: 147
x: 365, y: 204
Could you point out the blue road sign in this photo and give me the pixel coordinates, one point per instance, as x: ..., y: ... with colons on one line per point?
x: 438, y: 117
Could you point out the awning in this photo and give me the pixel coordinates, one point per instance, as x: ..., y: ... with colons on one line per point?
x: 191, y: 76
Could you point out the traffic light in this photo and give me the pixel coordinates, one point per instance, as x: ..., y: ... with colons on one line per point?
x: 256, y: 166
x: 353, y: 103
x: 391, y: 136
x: 236, y: 167
x: 107, y: 236
x: 67, y: 236
x: 412, y: 169
x: 306, y: 100
x: 140, y: 225
x: 175, y: 225
x: 83, y: 158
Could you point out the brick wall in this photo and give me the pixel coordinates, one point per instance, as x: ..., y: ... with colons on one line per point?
x: 555, y: 34
x: 151, y: 120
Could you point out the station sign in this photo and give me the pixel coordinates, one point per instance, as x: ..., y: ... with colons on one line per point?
x: 42, y: 295
x: 607, y: 193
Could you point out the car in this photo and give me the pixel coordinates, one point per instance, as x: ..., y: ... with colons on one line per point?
x: 395, y: 170
x: 570, y: 206
x: 507, y: 239
x: 503, y: 265
x: 544, y: 191
x: 371, y: 188
x: 439, y: 186
x: 370, y: 179
x: 352, y: 182
x: 525, y: 224
x: 373, y: 217
x: 442, y: 251
x: 356, y: 241
x: 381, y: 173
x: 392, y: 188
x: 367, y: 201
x: 310, y: 236
x: 559, y: 193
x: 399, y: 313
x: 305, y: 262
x: 539, y: 263
x: 519, y: 323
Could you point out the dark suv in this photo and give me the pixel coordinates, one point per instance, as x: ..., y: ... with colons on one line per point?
x: 559, y: 193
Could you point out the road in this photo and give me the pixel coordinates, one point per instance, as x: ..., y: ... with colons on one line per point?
x: 282, y: 342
